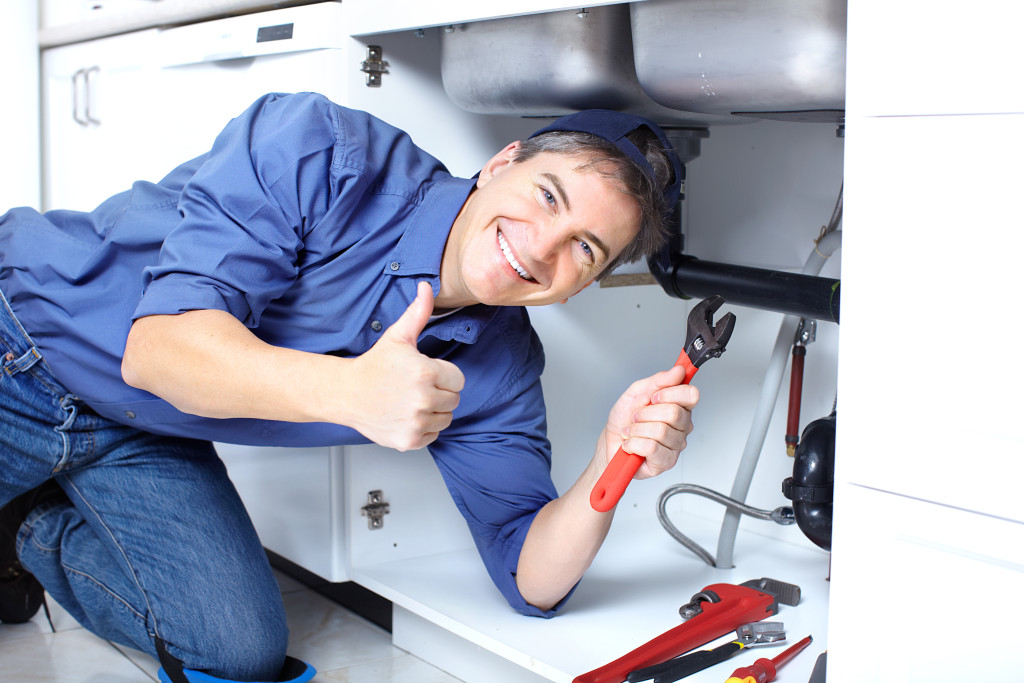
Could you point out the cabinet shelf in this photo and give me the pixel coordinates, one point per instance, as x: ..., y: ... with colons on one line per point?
x: 631, y: 594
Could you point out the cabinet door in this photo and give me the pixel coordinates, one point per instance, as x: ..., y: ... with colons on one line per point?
x: 293, y: 498
x: 904, y: 565
x: 100, y: 108
x: 132, y: 107
x: 934, y: 417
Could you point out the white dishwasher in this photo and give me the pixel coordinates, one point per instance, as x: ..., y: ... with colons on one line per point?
x: 209, y: 72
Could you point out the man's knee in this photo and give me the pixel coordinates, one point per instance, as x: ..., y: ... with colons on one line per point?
x: 257, y: 650
x: 248, y: 650
x: 291, y: 671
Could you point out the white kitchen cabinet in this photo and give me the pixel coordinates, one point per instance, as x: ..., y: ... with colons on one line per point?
x: 928, y: 519
x: 911, y: 67
x: 945, y: 430
x: 66, y: 12
x: 308, y: 505
x: 20, y: 176
x: 134, y: 106
x: 293, y: 496
x: 100, y: 109
x: 909, y: 567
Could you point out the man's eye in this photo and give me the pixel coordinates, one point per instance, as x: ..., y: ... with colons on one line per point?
x: 586, y: 249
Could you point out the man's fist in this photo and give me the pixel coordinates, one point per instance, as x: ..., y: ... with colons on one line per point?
x: 409, y: 397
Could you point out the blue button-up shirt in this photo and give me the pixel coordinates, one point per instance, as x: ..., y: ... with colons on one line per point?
x: 312, y: 224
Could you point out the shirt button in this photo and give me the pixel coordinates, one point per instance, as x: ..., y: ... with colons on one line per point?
x: 376, y: 326
x: 129, y: 414
x: 395, y: 265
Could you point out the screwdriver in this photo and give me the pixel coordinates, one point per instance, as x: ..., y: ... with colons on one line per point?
x: 763, y: 670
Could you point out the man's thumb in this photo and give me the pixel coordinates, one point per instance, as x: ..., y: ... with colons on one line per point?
x: 408, y: 327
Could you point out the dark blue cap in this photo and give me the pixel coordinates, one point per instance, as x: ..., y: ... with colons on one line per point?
x: 614, y: 126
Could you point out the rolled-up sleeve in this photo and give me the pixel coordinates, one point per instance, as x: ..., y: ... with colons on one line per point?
x: 244, y: 212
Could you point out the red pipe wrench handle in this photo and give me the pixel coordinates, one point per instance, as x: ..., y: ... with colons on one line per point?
x: 623, y: 466
x: 733, y: 607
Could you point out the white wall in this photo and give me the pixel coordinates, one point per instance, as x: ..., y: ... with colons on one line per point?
x: 19, y: 114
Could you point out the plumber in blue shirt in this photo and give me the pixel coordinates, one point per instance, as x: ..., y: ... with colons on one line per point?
x: 314, y: 279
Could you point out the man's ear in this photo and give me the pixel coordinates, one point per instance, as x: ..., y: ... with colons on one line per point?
x: 498, y: 163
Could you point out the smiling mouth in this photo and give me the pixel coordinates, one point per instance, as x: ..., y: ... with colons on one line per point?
x: 507, y: 251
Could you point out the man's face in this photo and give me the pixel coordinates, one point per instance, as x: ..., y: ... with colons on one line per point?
x: 534, y: 232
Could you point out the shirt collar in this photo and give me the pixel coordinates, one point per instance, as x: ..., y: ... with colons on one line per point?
x: 418, y: 255
x: 419, y: 251
x: 464, y: 325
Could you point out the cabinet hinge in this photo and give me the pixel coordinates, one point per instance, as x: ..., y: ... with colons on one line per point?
x: 375, y: 509
x: 374, y: 66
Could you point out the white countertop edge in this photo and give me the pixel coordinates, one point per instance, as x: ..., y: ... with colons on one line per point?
x: 150, y: 15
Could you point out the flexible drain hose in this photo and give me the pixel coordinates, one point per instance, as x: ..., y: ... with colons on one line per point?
x: 780, y: 515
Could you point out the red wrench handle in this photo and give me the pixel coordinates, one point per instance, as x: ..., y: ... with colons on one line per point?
x: 623, y: 466
x: 738, y: 605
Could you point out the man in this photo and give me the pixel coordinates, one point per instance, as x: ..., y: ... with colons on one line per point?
x: 314, y: 279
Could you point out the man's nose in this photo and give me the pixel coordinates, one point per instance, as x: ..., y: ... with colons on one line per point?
x: 548, y: 237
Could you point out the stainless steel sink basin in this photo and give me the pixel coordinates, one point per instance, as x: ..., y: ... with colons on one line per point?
x: 686, y: 63
x: 551, y: 64
x: 765, y: 58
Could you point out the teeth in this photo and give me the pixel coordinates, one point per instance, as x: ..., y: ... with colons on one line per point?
x: 507, y: 251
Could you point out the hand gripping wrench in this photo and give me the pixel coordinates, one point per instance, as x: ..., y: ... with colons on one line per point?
x: 702, y: 342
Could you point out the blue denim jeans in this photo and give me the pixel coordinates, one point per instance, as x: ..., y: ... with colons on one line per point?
x: 153, y: 540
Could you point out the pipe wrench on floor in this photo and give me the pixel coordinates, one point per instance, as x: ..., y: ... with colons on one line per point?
x: 713, y: 612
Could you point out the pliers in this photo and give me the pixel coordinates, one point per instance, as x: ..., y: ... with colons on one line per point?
x: 704, y: 339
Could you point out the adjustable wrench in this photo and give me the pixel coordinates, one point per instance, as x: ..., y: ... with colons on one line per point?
x: 702, y: 342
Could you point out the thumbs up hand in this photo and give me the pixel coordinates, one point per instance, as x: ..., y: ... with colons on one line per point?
x: 408, y: 398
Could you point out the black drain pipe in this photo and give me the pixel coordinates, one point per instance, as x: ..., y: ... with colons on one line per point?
x: 686, y: 277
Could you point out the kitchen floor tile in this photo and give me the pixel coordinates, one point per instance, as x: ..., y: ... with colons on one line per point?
x: 63, y: 657
x: 341, y: 645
